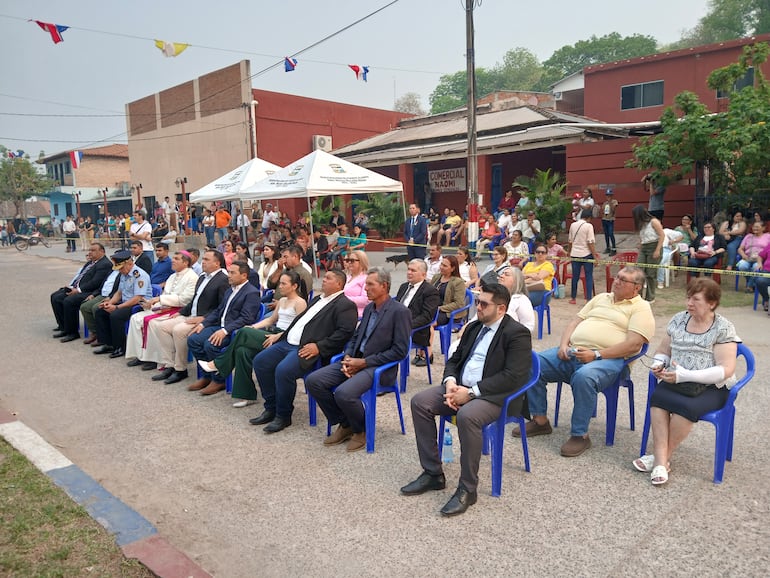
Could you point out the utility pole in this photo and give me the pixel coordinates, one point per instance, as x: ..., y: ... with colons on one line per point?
x: 473, y: 174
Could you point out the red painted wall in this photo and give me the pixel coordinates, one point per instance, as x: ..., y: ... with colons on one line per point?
x: 679, y: 70
x: 600, y: 165
x: 286, y: 125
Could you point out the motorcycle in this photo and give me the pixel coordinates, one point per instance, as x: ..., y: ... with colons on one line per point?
x: 24, y: 242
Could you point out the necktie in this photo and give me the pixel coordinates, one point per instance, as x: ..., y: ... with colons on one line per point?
x: 479, y: 337
x: 408, y: 291
x: 83, y: 271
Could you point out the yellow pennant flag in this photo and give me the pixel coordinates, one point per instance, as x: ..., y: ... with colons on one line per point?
x: 170, y: 49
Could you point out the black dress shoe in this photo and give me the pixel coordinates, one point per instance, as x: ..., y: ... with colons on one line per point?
x: 59, y: 334
x: 460, y: 502
x: 70, y: 337
x: 176, y: 377
x: 135, y: 362
x: 265, y: 417
x: 165, y: 374
x: 119, y: 352
x: 277, y: 424
x: 55, y: 329
x: 149, y: 365
x: 102, y: 349
x: 424, y: 483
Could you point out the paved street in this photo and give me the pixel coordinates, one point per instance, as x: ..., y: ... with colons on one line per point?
x: 241, y: 503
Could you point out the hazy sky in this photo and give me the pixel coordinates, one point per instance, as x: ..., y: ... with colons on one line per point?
x: 105, y: 61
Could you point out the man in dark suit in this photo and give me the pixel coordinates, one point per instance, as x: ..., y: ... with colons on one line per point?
x: 67, y: 300
x: 239, y: 307
x: 167, y: 338
x: 140, y: 258
x: 422, y: 299
x: 319, y: 332
x: 381, y: 337
x: 494, y: 359
x: 415, y: 233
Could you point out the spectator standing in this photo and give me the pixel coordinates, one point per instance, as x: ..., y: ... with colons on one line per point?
x: 651, y: 240
x: 609, y: 206
x: 656, y: 192
x: 582, y: 250
x: 415, y: 233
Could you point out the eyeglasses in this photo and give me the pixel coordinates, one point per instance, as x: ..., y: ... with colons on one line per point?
x: 619, y: 278
x: 540, y: 252
x: 482, y: 304
x: 350, y: 260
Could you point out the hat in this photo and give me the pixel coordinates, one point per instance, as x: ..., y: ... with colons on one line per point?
x: 609, y: 192
x: 119, y: 258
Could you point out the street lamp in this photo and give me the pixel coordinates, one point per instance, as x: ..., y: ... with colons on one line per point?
x: 77, y: 202
x: 181, y: 182
x: 138, y: 189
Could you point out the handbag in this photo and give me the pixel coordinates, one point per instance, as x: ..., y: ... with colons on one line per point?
x: 537, y: 286
x: 689, y: 388
x: 703, y: 255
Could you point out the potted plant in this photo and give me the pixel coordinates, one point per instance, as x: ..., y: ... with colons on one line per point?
x: 544, y: 192
x: 385, y: 212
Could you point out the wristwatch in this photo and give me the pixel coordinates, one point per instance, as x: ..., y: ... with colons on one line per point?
x: 471, y: 394
x: 597, y: 355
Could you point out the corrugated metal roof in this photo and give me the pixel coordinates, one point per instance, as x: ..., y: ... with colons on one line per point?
x: 525, y: 139
x: 112, y: 150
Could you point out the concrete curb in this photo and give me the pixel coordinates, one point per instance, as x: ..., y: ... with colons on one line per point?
x: 135, y: 535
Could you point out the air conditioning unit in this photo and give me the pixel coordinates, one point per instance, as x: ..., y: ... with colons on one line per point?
x: 557, y: 95
x: 322, y: 142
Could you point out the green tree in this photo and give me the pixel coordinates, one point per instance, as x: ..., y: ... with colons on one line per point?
x: 385, y: 212
x: 727, y: 20
x: 734, y: 145
x: 519, y: 70
x: 19, y: 180
x: 608, y: 48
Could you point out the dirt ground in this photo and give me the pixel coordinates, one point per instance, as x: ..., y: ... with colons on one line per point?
x: 241, y: 503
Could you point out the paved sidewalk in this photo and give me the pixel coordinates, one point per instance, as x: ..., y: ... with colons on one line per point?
x: 240, y: 503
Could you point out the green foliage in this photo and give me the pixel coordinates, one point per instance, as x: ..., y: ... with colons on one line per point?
x: 727, y: 20
x: 20, y: 180
x: 734, y: 145
x: 545, y: 193
x: 385, y: 212
x: 608, y: 48
x: 520, y: 70
x: 321, y: 208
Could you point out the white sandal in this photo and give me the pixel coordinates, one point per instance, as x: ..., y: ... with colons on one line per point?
x: 644, y: 463
x: 244, y: 402
x: 659, y: 475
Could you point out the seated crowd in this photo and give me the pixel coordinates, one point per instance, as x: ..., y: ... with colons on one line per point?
x: 265, y: 322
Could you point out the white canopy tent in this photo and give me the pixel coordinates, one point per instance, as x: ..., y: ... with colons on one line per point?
x: 320, y: 173
x: 230, y: 186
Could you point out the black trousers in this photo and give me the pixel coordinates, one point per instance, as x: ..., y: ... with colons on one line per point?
x: 70, y: 311
x: 57, y: 305
x: 111, y: 327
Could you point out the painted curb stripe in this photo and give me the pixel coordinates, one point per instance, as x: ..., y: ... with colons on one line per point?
x: 33, y: 447
x: 127, y: 525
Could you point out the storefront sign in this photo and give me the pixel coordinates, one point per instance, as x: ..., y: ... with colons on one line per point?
x: 447, y: 180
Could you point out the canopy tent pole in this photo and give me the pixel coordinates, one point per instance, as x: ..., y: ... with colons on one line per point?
x: 316, y: 268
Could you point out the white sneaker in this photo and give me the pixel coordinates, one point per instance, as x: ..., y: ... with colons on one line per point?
x: 244, y: 402
x: 660, y: 285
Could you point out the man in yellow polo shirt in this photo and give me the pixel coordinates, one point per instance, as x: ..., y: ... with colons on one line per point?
x: 611, y: 327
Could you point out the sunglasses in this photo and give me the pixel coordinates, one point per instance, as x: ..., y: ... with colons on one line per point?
x: 482, y: 304
x: 540, y: 252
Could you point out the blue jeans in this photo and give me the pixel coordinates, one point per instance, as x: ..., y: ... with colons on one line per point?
x: 151, y: 255
x: 222, y: 234
x: 277, y: 369
x: 209, y: 236
x: 746, y: 266
x: 589, y: 268
x: 732, y: 250
x: 702, y: 264
x: 586, y: 379
x: 201, y: 348
x: 609, y: 233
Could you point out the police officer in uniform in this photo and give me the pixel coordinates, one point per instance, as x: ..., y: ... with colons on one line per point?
x: 111, y: 314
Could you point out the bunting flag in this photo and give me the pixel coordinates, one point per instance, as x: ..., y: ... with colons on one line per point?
x: 289, y: 64
x: 54, y: 30
x: 361, y: 71
x: 76, y: 157
x: 16, y: 155
x: 171, y: 49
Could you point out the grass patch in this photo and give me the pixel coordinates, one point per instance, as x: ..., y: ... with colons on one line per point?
x: 44, y: 533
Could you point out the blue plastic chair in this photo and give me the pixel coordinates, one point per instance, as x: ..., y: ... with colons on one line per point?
x: 156, y: 290
x: 369, y: 399
x: 494, y: 432
x: 445, y: 331
x: 405, y: 365
x: 723, y: 419
x: 611, y: 394
x: 544, y: 308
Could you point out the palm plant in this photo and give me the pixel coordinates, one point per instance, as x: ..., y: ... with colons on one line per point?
x: 545, y: 195
x: 385, y: 212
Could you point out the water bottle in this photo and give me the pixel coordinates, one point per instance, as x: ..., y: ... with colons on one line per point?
x: 447, y: 453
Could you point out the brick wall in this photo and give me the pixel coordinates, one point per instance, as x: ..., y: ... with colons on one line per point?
x: 102, y: 172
